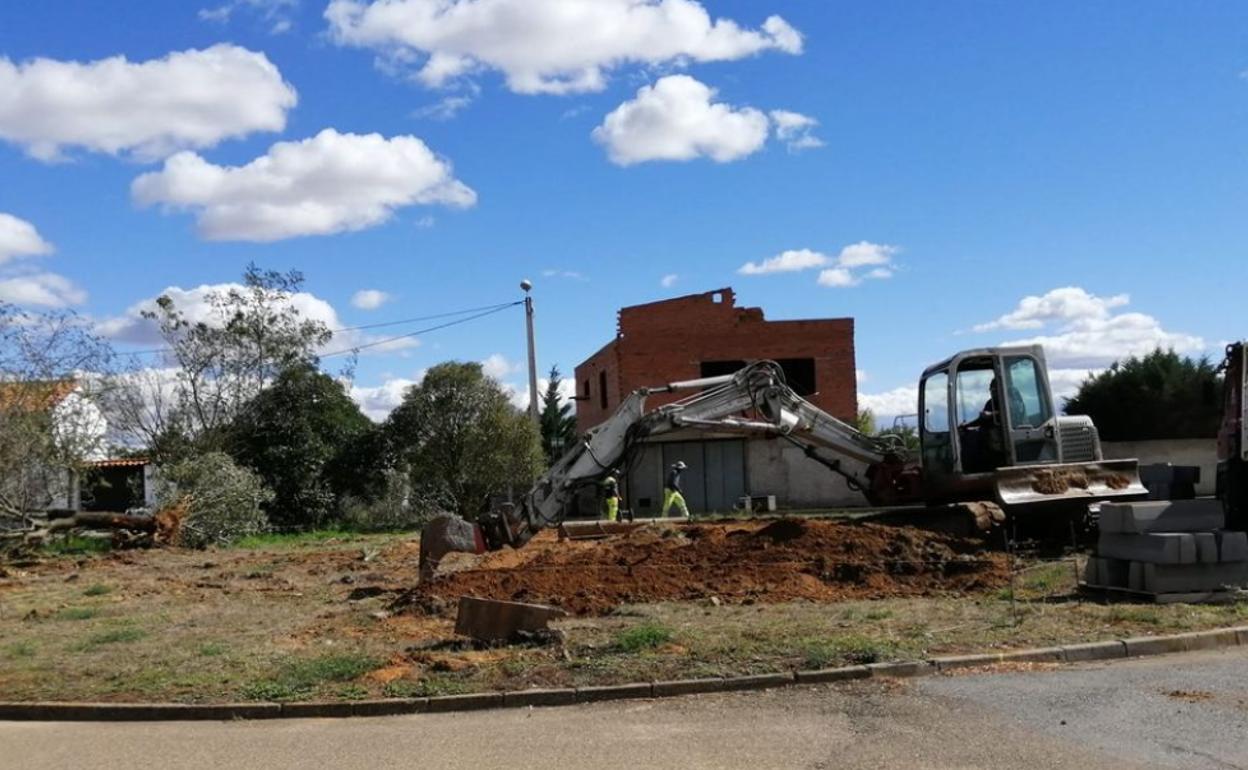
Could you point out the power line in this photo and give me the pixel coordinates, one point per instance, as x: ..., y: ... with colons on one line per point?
x: 388, y: 340
x: 489, y: 309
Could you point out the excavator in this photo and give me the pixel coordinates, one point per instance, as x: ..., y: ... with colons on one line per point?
x: 991, y: 445
x: 1232, y: 482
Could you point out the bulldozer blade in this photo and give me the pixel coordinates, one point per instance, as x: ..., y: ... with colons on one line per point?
x: 595, y: 530
x: 446, y: 533
x: 1037, y: 484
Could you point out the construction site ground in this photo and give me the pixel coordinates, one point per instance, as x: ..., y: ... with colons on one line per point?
x: 340, y: 616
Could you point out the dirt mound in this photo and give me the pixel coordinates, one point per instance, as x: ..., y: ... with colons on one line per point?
x: 783, y: 560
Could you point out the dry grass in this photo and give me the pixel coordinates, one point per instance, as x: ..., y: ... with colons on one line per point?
x: 274, y: 621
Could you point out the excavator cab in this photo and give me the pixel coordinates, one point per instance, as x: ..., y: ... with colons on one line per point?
x: 989, y: 424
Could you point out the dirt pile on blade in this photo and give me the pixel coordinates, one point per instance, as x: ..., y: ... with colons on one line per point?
x: 740, y: 562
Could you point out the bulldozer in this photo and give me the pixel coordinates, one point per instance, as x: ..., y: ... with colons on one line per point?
x: 992, y: 446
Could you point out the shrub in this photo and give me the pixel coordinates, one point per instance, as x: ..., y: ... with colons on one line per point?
x: 223, y: 502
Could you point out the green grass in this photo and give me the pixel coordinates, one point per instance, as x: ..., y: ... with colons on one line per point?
x: 212, y: 649
x: 855, y: 649
x: 295, y: 539
x: 300, y: 678
x: 75, y: 545
x: 77, y: 613
x: 425, y: 688
x: 20, y: 650
x: 123, y: 635
x: 97, y: 589
x: 646, y: 636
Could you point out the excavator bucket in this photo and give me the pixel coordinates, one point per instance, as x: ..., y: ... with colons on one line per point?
x: 446, y: 533
x: 1109, y: 480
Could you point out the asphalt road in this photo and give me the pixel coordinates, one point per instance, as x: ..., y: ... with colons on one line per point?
x: 1186, y: 711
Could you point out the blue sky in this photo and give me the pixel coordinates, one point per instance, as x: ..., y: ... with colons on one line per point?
x: 1089, y: 156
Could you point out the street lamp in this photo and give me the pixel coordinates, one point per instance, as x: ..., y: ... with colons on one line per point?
x: 527, y: 286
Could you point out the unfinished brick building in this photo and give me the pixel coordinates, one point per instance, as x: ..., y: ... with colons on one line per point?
x: 702, y: 335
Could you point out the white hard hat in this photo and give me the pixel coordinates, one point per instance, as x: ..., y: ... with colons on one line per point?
x: 680, y: 464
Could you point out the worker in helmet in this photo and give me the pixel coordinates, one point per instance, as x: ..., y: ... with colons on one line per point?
x: 671, y: 490
x: 611, y: 497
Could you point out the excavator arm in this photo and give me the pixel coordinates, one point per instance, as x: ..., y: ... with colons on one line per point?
x: 754, y: 401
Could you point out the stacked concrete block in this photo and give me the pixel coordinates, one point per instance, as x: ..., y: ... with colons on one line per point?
x: 1170, y: 548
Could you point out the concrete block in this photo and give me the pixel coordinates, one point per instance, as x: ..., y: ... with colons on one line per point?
x: 614, y: 692
x: 760, y: 681
x: 901, y: 669
x: 1038, y: 655
x: 1154, y: 547
x: 826, y: 675
x: 1154, y: 645
x: 688, y: 687
x: 472, y: 702
x: 1232, y: 546
x: 540, y: 697
x: 1079, y: 653
x: 1135, y: 581
x: 1186, y: 578
x: 493, y: 620
x: 1242, y: 633
x: 1162, y: 516
x: 1115, y: 572
x: 387, y: 707
x: 1206, y: 547
x: 951, y: 662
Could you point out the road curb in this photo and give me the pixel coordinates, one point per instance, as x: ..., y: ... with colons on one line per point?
x: 1071, y: 653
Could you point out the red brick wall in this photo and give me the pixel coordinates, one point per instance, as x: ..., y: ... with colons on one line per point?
x: 666, y: 341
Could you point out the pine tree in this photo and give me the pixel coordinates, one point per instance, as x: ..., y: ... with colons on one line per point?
x: 557, y: 421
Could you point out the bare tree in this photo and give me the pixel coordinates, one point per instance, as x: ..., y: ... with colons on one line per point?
x: 215, y: 366
x: 52, y: 369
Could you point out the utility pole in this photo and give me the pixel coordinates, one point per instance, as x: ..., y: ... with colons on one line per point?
x: 527, y: 286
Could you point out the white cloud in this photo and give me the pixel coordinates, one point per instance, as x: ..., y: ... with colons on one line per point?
x: 675, y: 119
x: 838, y: 277
x: 275, y: 13
x: 378, y: 401
x: 519, y: 394
x: 572, y: 275
x: 860, y: 376
x: 370, y: 299
x: 1082, y: 332
x: 845, y: 269
x: 43, y: 289
x: 327, y: 184
x: 1069, y: 303
x: 19, y: 238
x: 498, y: 367
x: 131, y: 327
x: 892, y: 403
x: 443, y: 109
x: 188, y: 99
x: 669, y: 280
x: 789, y: 261
x: 548, y: 46
x: 794, y: 129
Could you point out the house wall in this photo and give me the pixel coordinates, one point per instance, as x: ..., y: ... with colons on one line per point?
x: 668, y: 341
x: 1199, y: 452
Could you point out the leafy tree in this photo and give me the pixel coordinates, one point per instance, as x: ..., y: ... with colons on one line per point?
x: 462, y: 440
x: 222, y: 502
x: 557, y: 422
x: 52, y: 370
x: 1160, y: 396
x: 301, y: 435
x: 218, y: 363
x: 865, y: 421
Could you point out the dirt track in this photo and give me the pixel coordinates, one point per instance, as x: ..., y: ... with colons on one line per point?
x: 738, y: 562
